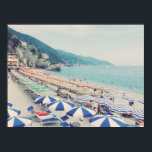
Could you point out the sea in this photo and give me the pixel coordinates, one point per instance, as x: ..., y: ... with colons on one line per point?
x: 124, y: 78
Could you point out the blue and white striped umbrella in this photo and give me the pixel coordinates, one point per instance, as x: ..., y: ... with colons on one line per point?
x: 103, y: 101
x: 86, y: 98
x: 110, y: 95
x: 140, y: 101
x: 107, y: 121
x: 139, y: 113
x: 81, y: 112
x: 121, y: 108
x: 19, y: 122
x: 128, y: 98
x: 60, y: 106
x: 131, y: 99
x: 12, y: 113
x: 46, y: 100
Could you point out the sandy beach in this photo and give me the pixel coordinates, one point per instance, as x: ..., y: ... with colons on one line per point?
x: 22, y: 101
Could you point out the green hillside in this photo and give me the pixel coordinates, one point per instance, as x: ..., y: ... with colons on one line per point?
x: 56, y: 56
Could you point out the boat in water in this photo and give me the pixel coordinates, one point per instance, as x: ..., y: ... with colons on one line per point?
x: 107, y: 67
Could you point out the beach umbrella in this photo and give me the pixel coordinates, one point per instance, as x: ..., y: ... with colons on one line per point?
x: 86, y: 98
x: 129, y: 98
x: 46, y: 99
x: 60, y: 106
x: 12, y: 113
x: 19, y: 122
x: 121, y: 108
x: 110, y: 95
x: 141, y: 101
x: 107, y: 121
x: 104, y: 101
x: 138, y: 113
x: 81, y: 112
x: 116, y: 106
x: 9, y: 104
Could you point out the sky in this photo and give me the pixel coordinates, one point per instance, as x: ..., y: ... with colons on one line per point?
x: 122, y: 45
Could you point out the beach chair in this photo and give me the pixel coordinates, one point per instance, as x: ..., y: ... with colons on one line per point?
x: 31, y: 109
x: 34, y: 96
x: 29, y: 91
x: 108, y: 112
x: 44, y: 117
x: 48, y: 119
x: 64, y: 118
x: 35, y: 113
x: 127, y: 115
x: 75, y: 124
x: 9, y: 104
x: 65, y: 124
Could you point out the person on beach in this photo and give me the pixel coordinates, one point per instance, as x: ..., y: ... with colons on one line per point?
x: 90, y: 104
x: 101, y: 94
x: 131, y: 103
x: 94, y: 108
x: 95, y: 90
x: 59, y: 88
x: 112, y: 99
x: 139, y: 123
x: 99, y: 109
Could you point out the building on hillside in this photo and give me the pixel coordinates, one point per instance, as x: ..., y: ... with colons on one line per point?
x: 12, y: 61
x: 24, y: 44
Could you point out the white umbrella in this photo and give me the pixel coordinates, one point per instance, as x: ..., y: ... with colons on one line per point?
x: 19, y: 122
x: 107, y: 121
x: 81, y: 112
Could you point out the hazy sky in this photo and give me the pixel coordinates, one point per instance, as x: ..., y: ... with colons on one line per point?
x: 118, y: 44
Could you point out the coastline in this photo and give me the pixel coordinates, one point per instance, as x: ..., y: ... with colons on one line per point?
x: 135, y: 91
x: 113, y: 89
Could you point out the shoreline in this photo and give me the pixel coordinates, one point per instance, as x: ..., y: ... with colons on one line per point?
x: 136, y: 94
x: 132, y: 92
x: 92, y: 85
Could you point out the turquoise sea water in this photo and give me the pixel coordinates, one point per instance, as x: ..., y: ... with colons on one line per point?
x: 129, y: 78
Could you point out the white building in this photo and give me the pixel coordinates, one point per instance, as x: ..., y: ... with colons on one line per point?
x: 24, y: 44
x: 12, y: 61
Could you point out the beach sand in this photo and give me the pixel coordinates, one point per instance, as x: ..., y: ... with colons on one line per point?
x: 21, y: 101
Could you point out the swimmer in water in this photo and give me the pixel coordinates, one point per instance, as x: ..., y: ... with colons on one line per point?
x: 131, y: 86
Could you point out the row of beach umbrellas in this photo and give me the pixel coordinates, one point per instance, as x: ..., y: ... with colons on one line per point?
x: 34, y: 86
x: 115, y: 107
x: 61, y: 105
x: 110, y: 95
x: 80, y: 112
x: 83, y: 111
